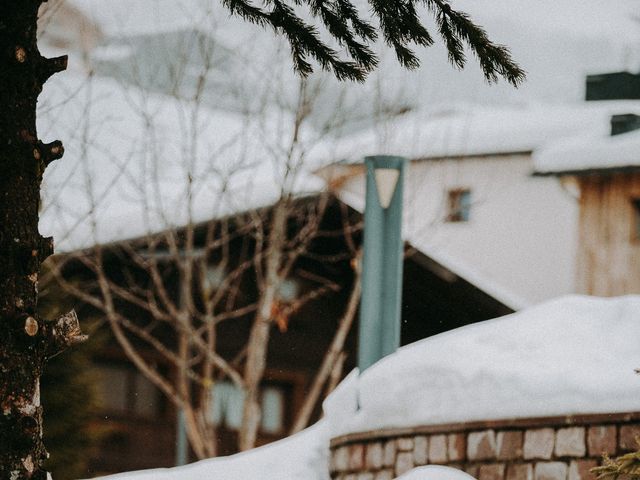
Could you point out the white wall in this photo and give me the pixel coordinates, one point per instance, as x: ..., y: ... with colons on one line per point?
x: 520, y: 243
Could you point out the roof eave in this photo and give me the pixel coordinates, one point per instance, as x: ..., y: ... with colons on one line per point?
x: 588, y: 171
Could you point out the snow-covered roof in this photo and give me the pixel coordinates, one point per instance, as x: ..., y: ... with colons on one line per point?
x: 137, y: 163
x: 471, y: 130
x: 301, y: 456
x: 585, y: 153
x: 571, y: 355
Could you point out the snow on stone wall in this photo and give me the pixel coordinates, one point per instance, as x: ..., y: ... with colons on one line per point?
x: 537, y: 395
x: 568, y: 356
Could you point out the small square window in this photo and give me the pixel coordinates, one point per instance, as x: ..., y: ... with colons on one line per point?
x: 635, y: 228
x: 227, y: 404
x: 459, y: 205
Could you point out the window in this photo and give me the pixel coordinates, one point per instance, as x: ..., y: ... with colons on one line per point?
x: 226, y: 405
x: 126, y: 391
x: 272, y: 409
x: 459, y: 205
x: 635, y: 228
x: 227, y: 402
x: 288, y: 290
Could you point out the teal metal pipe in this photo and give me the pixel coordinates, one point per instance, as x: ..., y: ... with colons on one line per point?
x: 379, y: 329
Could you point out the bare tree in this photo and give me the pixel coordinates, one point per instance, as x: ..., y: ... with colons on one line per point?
x: 24, y: 157
x: 208, y: 257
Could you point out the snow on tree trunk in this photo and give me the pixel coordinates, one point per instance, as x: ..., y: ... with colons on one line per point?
x: 25, y: 339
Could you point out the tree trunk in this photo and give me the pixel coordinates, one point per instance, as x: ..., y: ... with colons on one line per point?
x: 259, y: 337
x: 25, y: 339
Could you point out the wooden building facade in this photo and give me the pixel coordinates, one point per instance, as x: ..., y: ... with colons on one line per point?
x: 609, y: 233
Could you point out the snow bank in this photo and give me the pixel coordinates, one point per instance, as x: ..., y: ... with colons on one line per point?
x: 572, y: 355
x: 301, y: 456
x: 435, y: 472
x: 596, y: 152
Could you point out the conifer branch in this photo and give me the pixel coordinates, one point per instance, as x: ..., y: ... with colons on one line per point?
x: 399, y: 24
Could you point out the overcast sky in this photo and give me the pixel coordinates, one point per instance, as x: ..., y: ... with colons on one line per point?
x: 558, y: 42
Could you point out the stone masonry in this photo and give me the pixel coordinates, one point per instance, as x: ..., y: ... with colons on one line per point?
x: 556, y: 448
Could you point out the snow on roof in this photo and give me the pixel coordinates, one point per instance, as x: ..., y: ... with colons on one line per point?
x: 589, y: 152
x: 571, y: 355
x: 469, y: 130
x: 301, y: 456
x: 139, y: 163
x: 435, y: 472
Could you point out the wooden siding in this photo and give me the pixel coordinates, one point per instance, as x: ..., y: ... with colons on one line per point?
x: 609, y: 248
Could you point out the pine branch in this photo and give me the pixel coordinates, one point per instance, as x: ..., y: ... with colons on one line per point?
x: 399, y: 24
x: 495, y: 60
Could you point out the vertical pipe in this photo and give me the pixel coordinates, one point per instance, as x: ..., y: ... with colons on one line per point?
x: 380, y: 305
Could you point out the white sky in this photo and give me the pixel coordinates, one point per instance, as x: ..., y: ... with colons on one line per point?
x: 557, y: 42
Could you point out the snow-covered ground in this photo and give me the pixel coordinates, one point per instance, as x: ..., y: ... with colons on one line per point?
x: 303, y: 456
x: 567, y: 356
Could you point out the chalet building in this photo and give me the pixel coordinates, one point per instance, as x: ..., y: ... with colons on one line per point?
x: 139, y: 191
x: 603, y: 170
x: 474, y: 204
x: 483, y: 236
x: 141, y: 424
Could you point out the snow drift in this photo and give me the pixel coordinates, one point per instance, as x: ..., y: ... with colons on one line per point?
x: 571, y: 355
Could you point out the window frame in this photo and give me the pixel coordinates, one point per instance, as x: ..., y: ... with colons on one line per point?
x: 635, y: 219
x: 286, y: 391
x: 459, y: 209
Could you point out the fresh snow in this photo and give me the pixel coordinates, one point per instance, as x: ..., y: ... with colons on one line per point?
x: 303, y: 456
x: 435, y: 472
x: 138, y: 163
x: 590, y: 152
x: 475, y: 130
x: 571, y: 355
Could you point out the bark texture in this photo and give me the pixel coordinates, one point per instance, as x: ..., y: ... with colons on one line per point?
x: 25, y: 339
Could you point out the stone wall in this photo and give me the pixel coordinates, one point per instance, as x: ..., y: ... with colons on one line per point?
x: 554, y: 448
